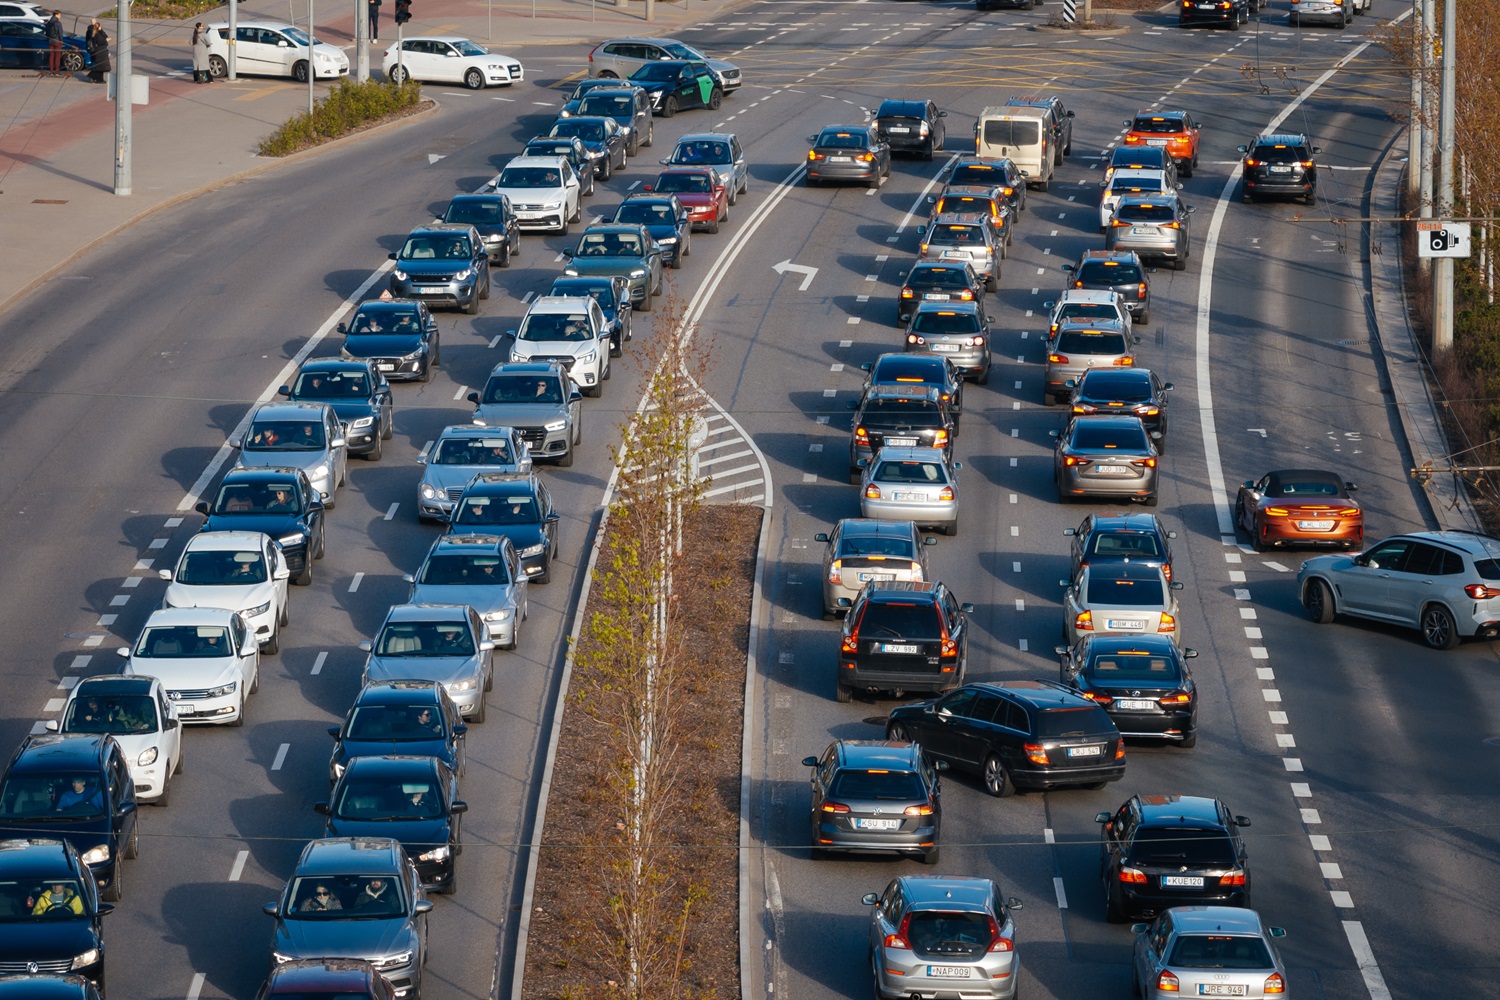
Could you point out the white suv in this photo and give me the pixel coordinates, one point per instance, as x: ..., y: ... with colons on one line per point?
x: 571, y: 331
x: 544, y: 191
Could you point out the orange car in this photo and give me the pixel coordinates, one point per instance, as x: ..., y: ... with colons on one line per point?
x: 1175, y: 130
x: 1300, y: 507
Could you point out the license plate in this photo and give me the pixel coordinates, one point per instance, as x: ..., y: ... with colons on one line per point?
x: 919, y: 497
x: 1315, y: 525
x: 1143, y: 230
x: 1134, y: 704
x: 878, y: 824
x: 386, y: 368
x: 839, y: 159
x: 1131, y: 624
x: 427, y: 291
x: 877, y: 576
x: 1281, y: 170
x: 1182, y: 881
x: 945, y: 348
x: 898, y: 128
x: 898, y: 647
x: 1163, y: 142
x: 1111, y: 470
x: 901, y: 442
x: 935, y: 296
x: 956, y: 254
x: 1221, y: 990
x: 1085, y: 751
x: 947, y: 972
x: 186, y: 708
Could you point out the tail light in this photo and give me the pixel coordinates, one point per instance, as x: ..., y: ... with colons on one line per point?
x: 1120, y: 750
x: 946, y: 493
x: 898, y: 939
x: 1135, y: 140
x: 1144, y: 463
x: 1077, y: 284
x: 1480, y: 592
x: 851, y: 643
x: 1140, y: 290
x: 998, y: 942
x: 1171, y: 225
x: 866, y: 157
x: 1125, y: 361
x: 1036, y: 752
x: 1258, y: 163
x: 593, y: 50
x: 836, y: 573
x: 1275, y: 985
x: 1276, y: 512
x: 814, y: 155
x: 1167, y: 623
x: 1166, y: 982
x: 1096, y: 697
x: 1166, y: 569
x: 1057, y: 359
x: 940, y: 439
x: 967, y: 295
x: 923, y: 249
x: 1349, y: 512
x: 948, y: 650
x: 915, y: 338
x: 1075, y: 460
x: 973, y: 341
x: 906, y: 293
x: 1084, y: 622
x: 835, y: 807
x: 861, y: 435
x: 1008, y: 191
x: 1175, y: 698
x: 872, y: 492
x: 1150, y: 411
x: 1132, y: 876
x: 1085, y: 408
x: 1237, y: 878
x: 922, y: 810
x: 1117, y: 224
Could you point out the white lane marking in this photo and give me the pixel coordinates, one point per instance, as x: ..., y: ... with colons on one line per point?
x: 107, y: 620
x: 157, y: 543
x: 1292, y: 763
x: 1319, y: 842
x: 66, y: 683
x: 237, y: 869
x: 280, y: 756
x: 173, y: 522
x: 390, y: 512
x: 354, y: 583
x: 921, y: 197
x: 1342, y: 899
x: 1248, y: 614
x: 144, y: 564
x: 131, y: 582
x: 1062, y: 896
x: 1302, y: 789
x: 119, y: 600
x: 1048, y: 836
x: 463, y: 391
x: 1024, y: 645
x: 1311, y: 817
x: 1271, y: 695
x: 1020, y: 604
x: 53, y: 706
x: 1278, y: 567
x: 317, y: 667
x: 196, y: 987
x: 1330, y: 870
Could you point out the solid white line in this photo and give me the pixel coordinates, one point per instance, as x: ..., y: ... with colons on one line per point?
x: 921, y: 198
x: 280, y: 756
x: 317, y: 667
x: 237, y: 870
x: 1062, y: 895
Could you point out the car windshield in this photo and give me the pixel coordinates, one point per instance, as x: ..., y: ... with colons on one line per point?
x: 942, y: 277
x: 657, y: 72
x: 682, y: 51
x: 571, y: 328
x: 436, y: 247
x: 523, y: 389
x: 218, y: 568
x: 1108, y: 273
x: 608, y: 105
x: 1127, y: 668
x: 1062, y: 723
x: 1111, y: 592
x: 899, y: 621
x: 1087, y: 434
x: 1219, y: 951
x: 343, y: 897
x: 386, y: 321
x: 1158, y: 126
x: 116, y: 714
x: 464, y: 571
x: 879, y: 786
x: 701, y: 151
x: 498, y: 510
x: 940, y: 322
x: 587, y: 131
x: 961, y: 935
x: 647, y: 213
x: 45, y: 796
x: 387, y: 800
x: 529, y: 177
x: 683, y: 183
x: 1278, y: 154
x: 475, y: 212
x: 898, y: 547
x: 286, y: 435
x: 1308, y: 487
x: 297, y: 35
x: 609, y: 245
x: 51, y: 900
x: 394, y: 723
x: 1182, y: 846
x: 331, y: 385
x: 1148, y: 212
x: 1012, y: 132
x: 953, y: 233
x: 1086, y: 311
x: 473, y: 451
x: 244, y: 498
x: 910, y: 472
x: 1125, y: 545
x: 1079, y: 342
x: 468, y: 48
x: 425, y: 639
x: 183, y: 642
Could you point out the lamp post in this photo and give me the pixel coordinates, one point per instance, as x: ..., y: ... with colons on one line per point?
x: 123, y: 96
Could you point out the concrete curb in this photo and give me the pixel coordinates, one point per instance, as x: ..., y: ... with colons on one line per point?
x: 752, y: 672
x: 1048, y: 29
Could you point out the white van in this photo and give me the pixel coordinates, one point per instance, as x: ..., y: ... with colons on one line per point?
x: 1021, y: 133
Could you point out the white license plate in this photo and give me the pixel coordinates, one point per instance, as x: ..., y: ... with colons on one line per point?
x: 1134, y: 704
x: 898, y: 128
x: 878, y: 824
x: 839, y: 159
x: 901, y: 442
x: 956, y: 254
x: 945, y: 348
x: 898, y: 647
x: 919, y: 497
x: 1111, y: 470
x: 1182, y: 881
x: 1281, y: 170
x: 1221, y: 990
x: 1131, y: 624
x: 386, y: 368
x: 1315, y: 525
x: 1085, y: 751
x: 877, y: 576
x: 186, y: 708
x: 935, y: 296
x: 947, y: 972
x: 1163, y: 142
x: 1143, y: 230
x: 427, y: 291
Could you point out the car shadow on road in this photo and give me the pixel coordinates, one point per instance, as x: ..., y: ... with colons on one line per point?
x: 229, y: 970
x: 184, y: 465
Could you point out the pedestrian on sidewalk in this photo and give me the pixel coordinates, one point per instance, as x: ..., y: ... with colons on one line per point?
x: 54, y: 45
x: 98, y: 45
x: 201, y: 71
x: 374, y: 20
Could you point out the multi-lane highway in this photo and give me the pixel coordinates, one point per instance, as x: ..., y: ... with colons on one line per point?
x: 1358, y: 753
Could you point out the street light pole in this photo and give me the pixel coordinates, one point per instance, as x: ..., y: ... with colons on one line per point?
x: 1442, y: 272
x: 1414, y: 130
x: 361, y: 40
x: 312, y: 71
x: 123, y: 94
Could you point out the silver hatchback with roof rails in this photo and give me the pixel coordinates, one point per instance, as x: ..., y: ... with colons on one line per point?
x: 1154, y: 226
x: 859, y: 550
x: 912, y: 484
x: 1076, y: 347
x: 1087, y: 305
x: 966, y: 236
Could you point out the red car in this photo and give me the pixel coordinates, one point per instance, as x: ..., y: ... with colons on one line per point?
x: 1300, y: 507
x: 706, y: 200
x: 334, y: 978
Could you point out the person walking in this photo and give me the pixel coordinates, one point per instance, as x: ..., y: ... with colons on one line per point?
x: 54, y: 45
x: 98, y: 45
x: 201, y: 71
x: 374, y: 20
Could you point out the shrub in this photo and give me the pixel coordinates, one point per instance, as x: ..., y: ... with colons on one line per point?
x: 348, y: 107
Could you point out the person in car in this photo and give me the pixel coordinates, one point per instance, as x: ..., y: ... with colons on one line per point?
x: 376, y: 895
x: 321, y: 899
x: 59, y: 896
x: 81, y: 796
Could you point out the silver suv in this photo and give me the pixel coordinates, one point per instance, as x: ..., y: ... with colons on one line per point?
x: 964, y: 236
x: 1444, y: 583
x: 1076, y: 347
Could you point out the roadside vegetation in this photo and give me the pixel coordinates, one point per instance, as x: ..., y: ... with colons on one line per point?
x: 349, y: 107
x: 166, y: 10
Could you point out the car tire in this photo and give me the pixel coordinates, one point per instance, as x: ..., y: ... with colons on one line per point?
x: 544, y: 577
x: 1152, y: 500
x: 645, y: 305
x: 165, y: 798
x: 606, y: 171
x: 1144, y: 317
x: 400, y: 75
x: 1439, y: 629
x: 715, y: 99
x: 592, y: 391
x: 897, y: 732
x: 996, y: 780
x: 217, y: 66
x: 874, y: 181
x: 322, y: 542
x: 304, y: 578
x: 566, y: 227
x: 283, y: 618
x: 566, y: 461
x: 239, y: 720
x: 951, y: 530
x: 426, y: 376
x: 390, y: 431
x: 1180, y: 264
x: 669, y: 106
x: 112, y: 892
x: 1189, y: 740
x: 577, y: 213
x: 373, y: 455
x: 1309, y: 198
x: 1318, y: 601
x: 472, y: 308
x: 650, y: 136
x: 981, y: 380
x: 843, y: 693
x: 299, y: 71
x: 486, y: 293
x: 479, y: 712
x: 272, y: 646
x: 992, y: 284
x: 474, y: 80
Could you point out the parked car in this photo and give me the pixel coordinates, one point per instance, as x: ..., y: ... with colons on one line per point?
x: 443, y: 262
x: 450, y: 59
x: 360, y: 395
x: 931, y: 933
x: 138, y: 715
x: 862, y: 550
x: 875, y: 796
x: 273, y: 48
x: 208, y: 659
x: 24, y: 45
x: 66, y: 938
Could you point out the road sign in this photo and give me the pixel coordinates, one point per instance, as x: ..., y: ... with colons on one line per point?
x: 1442, y: 239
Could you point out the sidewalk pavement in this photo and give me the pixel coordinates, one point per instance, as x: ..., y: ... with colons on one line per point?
x: 57, y: 139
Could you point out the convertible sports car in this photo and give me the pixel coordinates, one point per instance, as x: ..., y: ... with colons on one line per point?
x: 1300, y: 507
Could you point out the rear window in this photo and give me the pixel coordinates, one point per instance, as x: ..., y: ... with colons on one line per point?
x: 1109, y: 592
x: 959, y: 935
x: 1087, y: 311
x: 901, y: 109
x: 1088, y: 434
x: 900, y: 621
x: 1131, y: 667
x: 941, y: 321
x: 1145, y: 213
x: 1157, y: 126
x: 1138, y: 156
x: 1279, y: 154
x: 1108, y: 273
x: 880, y: 786
x: 968, y: 203
x: 1488, y: 569
x: 1125, y: 545
x: 943, y: 277
x: 1216, y: 951
x: 1079, y: 342
x: 910, y: 472
x: 1182, y: 846
x: 853, y: 548
x: 1012, y: 132
x: 1107, y: 385
x: 900, y: 405
x: 1062, y: 723
x: 951, y: 232
x: 977, y: 173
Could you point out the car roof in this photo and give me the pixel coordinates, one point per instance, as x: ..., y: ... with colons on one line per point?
x: 1139, y: 173
x: 1123, y: 256
x: 1042, y: 694
x: 393, y: 763
x: 399, y: 690
x: 427, y: 613
x: 44, y: 986
x: 458, y: 543
x: 1094, y: 325
x: 350, y: 856
x: 1125, y: 570
x: 23, y: 858
x: 905, y: 390
x: 892, y: 754
x: 613, y: 227
x: 950, y: 306
x: 1179, y: 810
x: 225, y: 541
x: 649, y: 196
x: 958, y: 218
x: 559, y: 304
x: 1126, y: 521
x: 114, y: 684
x: 528, y: 368
x: 1117, y: 375
x: 1216, y: 920
x: 900, y: 102
x: 902, y: 590
x: 644, y: 38
x: 947, y: 892
x: 303, y: 975
x: 52, y: 751
x: 889, y: 454
x: 706, y: 137
x: 1105, y: 296
x: 441, y: 227
x: 471, y: 431
x: 1158, y: 115
x: 537, y: 161
x: 1167, y: 200
x: 336, y: 365
x: 188, y: 616
x: 290, y: 411
x: 868, y: 527
x: 389, y: 305
x: 1473, y: 542
x: 262, y: 474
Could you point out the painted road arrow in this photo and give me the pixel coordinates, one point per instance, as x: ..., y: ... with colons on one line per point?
x: 808, y: 273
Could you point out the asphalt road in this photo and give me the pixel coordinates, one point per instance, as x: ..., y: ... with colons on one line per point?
x: 126, y: 374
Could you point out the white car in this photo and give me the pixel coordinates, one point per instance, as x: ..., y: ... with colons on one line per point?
x: 450, y: 59
x: 206, y: 658
x: 1131, y: 182
x: 142, y: 719
x: 21, y: 11
x: 243, y: 571
x: 544, y: 190
x: 270, y: 48
x: 573, y: 330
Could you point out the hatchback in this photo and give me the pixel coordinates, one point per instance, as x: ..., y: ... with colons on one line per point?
x: 1160, y: 851
x: 208, y: 659
x: 1122, y: 597
x: 628, y: 106
x: 706, y: 200
x: 1142, y: 681
x: 1300, y: 507
x: 1077, y: 347
x: 997, y: 173
x: 518, y: 507
x: 460, y: 453
x: 450, y: 59
x: 494, y: 218
x: 911, y: 126
x: 848, y: 153
x: 1154, y: 226
x: 1121, y: 537
x: 964, y: 238
x: 1201, y: 951
x: 137, y: 713
x: 959, y: 331
x: 243, y: 571
x: 971, y: 199
x: 360, y: 396
x: 1126, y: 183
x: 1124, y: 390
x: 1229, y: 12
x: 873, y: 796
x: 859, y: 550
x: 306, y: 436
x: 399, y: 336
x: 899, y: 416
x: 447, y: 643
x: 1281, y: 164
x: 271, y: 48
x: 721, y: 152
x: 903, y: 637
x: 912, y: 484
x: 1175, y: 131
x: 938, y: 934
x: 481, y: 571
x: 936, y: 281
x: 446, y: 263
x: 1446, y: 584
x: 1107, y: 457
x: 399, y: 717
x: 414, y: 800
x: 907, y: 368
x: 51, y: 919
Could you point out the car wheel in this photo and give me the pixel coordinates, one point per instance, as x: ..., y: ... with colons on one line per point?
x: 165, y: 798
x: 608, y: 371
x: 592, y: 391
x: 545, y: 576
x: 299, y: 71
x: 874, y: 181
x: 283, y: 618
x: 472, y: 308
x: 645, y: 305
x: 996, y: 781
x: 1189, y: 740
x: 255, y: 684
x: 1114, y: 913
x: 856, y: 475
x: 983, y: 379
x: 565, y: 227
x: 373, y: 455
x: 897, y: 732
x: 400, y: 75
x: 566, y: 461
x: 479, y: 712
x: 933, y: 856
x: 217, y: 66
x: 1144, y: 317
x: 1439, y: 630
x: 426, y: 376
x: 650, y: 136
x: 112, y: 892
x: 950, y: 529
x: 844, y: 693
x: 239, y: 720
x: 322, y: 542
x: 390, y: 430
x: 715, y: 99
x: 1152, y: 500
x: 486, y: 293
x: 669, y: 106
x: 474, y: 80
x: 304, y: 578
x: 272, y: 646
x: 606, y: 171
x: 1180, y: 264
x: 577, y: 213
x: 734, y: 195
x: 1318, y: 600
x: 992, y: 284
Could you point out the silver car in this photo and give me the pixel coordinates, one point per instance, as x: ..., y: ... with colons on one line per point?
x: 912, y: 484
x: 1208, y: 951
x: 1106, y: 457
x: 719, y: 150
x: 538, y: 399
x: 482, y: 571
x: 966, y: 236
x: 859, y: 550
x: 959, y: 331
x: 1125, y: 598
x: 623, y: 56
x: 459, y: 454
x: 944, y: 935
x: 1087, y: 305
x: 1154, y: 226
x: 1075, y: 347
x: 446, y: 643
x: 1131, y: 182
x: 306, y: 436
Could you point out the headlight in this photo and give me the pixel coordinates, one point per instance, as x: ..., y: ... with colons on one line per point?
x: 533, y: 550
x: 413, y: 356
x: 399, y: 274
x: 517, y: 355
x: 97, y: 855
x: 436, y: 854
x: 318, y: 473
x: 362, y: 422
x: 430, y: 492
x: 571, y: 271
x: 668, y: 241
x: 503, y: 615
x: 589, y: 358
x: 459, y: 687
x: 222, y: 691
x: 281, y: 959
x: 259, y: 609
x: 639, y: 272
x: 147, y: 757
x: 295, y: 538
x: 393, y: 961
x: 84, y: 959
x: 464, y: 275
x: 548, y: 205
x: 338, y: 769
x: 555, y: 425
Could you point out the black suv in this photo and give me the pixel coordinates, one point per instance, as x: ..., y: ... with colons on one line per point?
x: 1019, y: 734
x: 1159, y: 851
x: 902, y: 416
x: 1280, y: 164
x: 399, y: 717
x: 50, y: 915
x: 359, y: 395
x: 911, y: 126
x: 247, y: 500
x: 1115, y: 271
x: 493, y: 216
x: 875, y: 796
x: 1108, y: 537
x: 1142, y: 681
x: 920, y: 369
x: 902, y: 636
x: 76, y: 787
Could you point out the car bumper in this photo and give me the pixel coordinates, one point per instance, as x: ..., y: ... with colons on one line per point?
x: 1284, y: 531
x: 972, y: 362
x: 1145, y: 904
x: 1070, y: 777
x: 1323, y: 14
x: 907, y: 142
x: 403, y: 980
x: 1114, y: 486
x: 361, y: 441
x: 935, y: 679
x: 503, y: 633
x: 295, y: 556
x: 924, y: 515
x: 984, y: 267
x: 149, y: 779
x: 538, y: 218
x: 1167, y: 725
x: 495, y: 247
x: 440, y: 509
x: 397, y: 369
x: 1279, y: 185
x: 982, y: 984
x: 920, y: 841
x: 324, y: 484
x: 1148, y: 248
x: 467, y: 702
x: 1214, y: 15
x: 436, y: 876
x: 536, y: 565
x: 455, y: 293
x: 842, y: 171
x: 211, y: 711
x: 640, y: 288
x: 263, y: 624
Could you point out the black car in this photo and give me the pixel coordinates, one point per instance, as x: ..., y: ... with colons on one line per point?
x: 359, y: 395
x: 629, y: 106
x: 875, y: 796
x: 582, y: 88
x: 664, y: 218
x: 996, y: 4
x: 911, y: 126
x: 1278, y: 164
x: 1000, y: 173
x: 517, y: 506
x: 903, y: 416
x: 495, y: 219
x: 903, y: 637
x: 75, y: 787
x: 399, y: 717
x: 1142, y: 681
x: 410, y: 799
x: 911, y: 368
x: 1121, y: 537
x: 44, y: 986
x: 675, y: 84
x: 1125, y: 390
x: 612, y: 293
x: 1115, y: 271
x: 1160, y: 851
x: 602, y: 137
x: 24, y: 45
x: 51, y: 919
x: 1017, y: 734
x: 247, y: 500
x: 399, y: 335
x: 570, y: 148
x: 1231, y: 13
x: 937, y: 281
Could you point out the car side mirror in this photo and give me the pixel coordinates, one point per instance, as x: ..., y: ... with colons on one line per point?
x: 458, y: 807
x: 333, y: 731
x: 321, y: 808
x: 282, y: 573
x: 123, y: 652
x: 967, y: 609
x: 202, y: 507
x: 339, y: 442
x: 460, y: 729
x: 1126, y: 123
x: 366, y: 646
x: 284, y: 391
x: 553, y: 518
x: 958, y: 466
x: 869, y: 899
x: 1151, y: 270
x: 486, y: 645
x: 942, y: 114
x: 1067, y: 267
x: 863, y: 463
x: 844, y: 602
x: 566, y: 253
x: 809, y: 762
x: 1156, y: 435
x: 574, y: 396
x: 1101, y: 817
x: 1064, y: 583
x: 1171, y: 534
x: 1071, y: 383
x: 921, y: 230
x: 1189, y: 210
x: 1070, y: 532
x: 1176, y: 585
x: 271, y: 909
x: 1166, y: 387
x: 940, y: 765
x: 1242, y: 821
x: 1351, y: 487
x: 821, y: 536
x: 232, y: 442
x: 1139, y: 928
x: 1276, y: 932
x: 1189, y: 653
x: 1135, y: 338
x: 929, y: 540
x: 51, y: 726
x: 1243, y: 149
x: 1070, y: 114
x: 172, y: 724
x: 318, y: 503
x: 1317, y: 149
x: 390, y: 256
x: 421, y: 906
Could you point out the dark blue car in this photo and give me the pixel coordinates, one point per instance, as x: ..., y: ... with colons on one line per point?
x: 24, y: 45
x: 276, y: 502
x: 613, y: 296
x: 665, y: 218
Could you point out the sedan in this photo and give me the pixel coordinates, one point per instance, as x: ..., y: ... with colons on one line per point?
x: 1300, y: 507
x: 1142, y: 681
x: 1202, y: 951
x: 1124, y: 390
x: 324, y: 979
x: 139, y: 715
x: 399, y: 335
x: 447, y: 643
x: 413, y: 800
x: 859, y: 550
x: 450, y: 59
x: 706, y: 200
x: 1120, y: 598
x: 1154, y: 226
x: 1161, y: 851
x: 243, y: 571
x: 911, y: 126
x: 937, y: 281
x: 360, y: 396
x: 848, y: 153
x: 206, y: 658
x: 602, y: 137
x: 1106, y: 456
x: 460, y: 453
x: 912, y: 484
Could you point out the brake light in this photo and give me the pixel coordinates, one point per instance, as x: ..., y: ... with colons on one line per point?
x: 1077, y: 284
x: 906, y: 293
x: 835, y: 807
x: 967, y: 295
x: 866, y: 157
x: 1132, y: 876
x: 1237, y: 878
x: 998, y: 942
x: 1008, y: 191
x: 1036, y: 752
x: 915, y: 338
x: 1175, y: 698
x: 1075, y: 460
x: 1256, y: 163
x: 897, y: 941
x: 1124, y: 361
x: 1276, y: 512
x: 836, y: 572
x: 1140, y: 291
x: 922, y: 810
x: 1147, y: 463
x: 1349, y: 512
x: 1133, y: 140
x: 851, y: 643
x: 925, y: 128
x: 872, y: 492
x: 1120, y: 750
x: 860, y: 434
x: 812, y: 154
x: 1274, y: 984
x: 946, y: 493
x: 949, y: 648
x: 1166, y: 570
x: 1150, y: 411
x: 1117, y: 224
x: 593, y: 50
x: 1167, y: 623
x: 940, y: 439
x: 1084, y: 622
x: 1057, y: 359
x: 1096, y: 698
x: 1171, y: 225
x: 1480, y: 592
x: 923, y: 249
x: 1085, y: 408
x: 1166, y: 982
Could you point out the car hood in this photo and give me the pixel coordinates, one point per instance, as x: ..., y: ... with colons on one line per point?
x: 435, y: 265
x: 419, y: 834
x: 443, y: 669
x: 518, y: 414
x: 521, y: 535
x: 276, y: 525
x: 662, y: 231
x: 307, y: 461
x: 481, y: 597
x: 1326, y: 564
x: 132, y: 745
x: 453, y: 477
x: 179, y: 673
x: 521, y: 350
x: 382, y: 345
x: 368, y: 938
x: 46, y: 939
x: 530, y: 195
x: 720, y: 66
x: 606, y: 265
x: 83, y: 832
x: 490, y: 229
x: 235, y: 598
x: 350, y: 410
x: 696, y: 199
